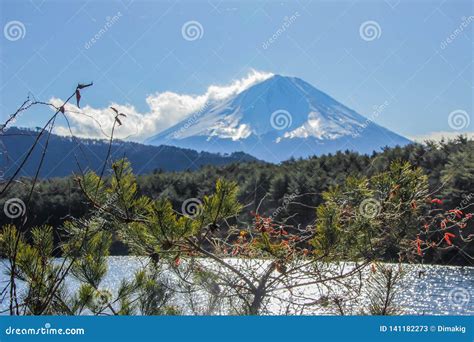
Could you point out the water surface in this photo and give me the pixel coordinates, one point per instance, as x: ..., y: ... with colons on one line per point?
x: 437, y: 290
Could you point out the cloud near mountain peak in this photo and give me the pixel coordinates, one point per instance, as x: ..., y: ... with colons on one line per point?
x: 166, y: 109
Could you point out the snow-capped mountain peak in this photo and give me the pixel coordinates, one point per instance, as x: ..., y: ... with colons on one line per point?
x: 278, y: 118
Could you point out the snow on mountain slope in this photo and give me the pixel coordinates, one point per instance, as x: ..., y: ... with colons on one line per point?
x: 276, y: 119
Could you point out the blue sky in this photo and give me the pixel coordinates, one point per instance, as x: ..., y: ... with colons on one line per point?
x: 419, y: 63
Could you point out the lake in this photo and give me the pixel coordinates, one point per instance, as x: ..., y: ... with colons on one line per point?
x: 438, y: 290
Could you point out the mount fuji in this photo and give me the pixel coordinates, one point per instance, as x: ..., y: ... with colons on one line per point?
x: 277, y: 119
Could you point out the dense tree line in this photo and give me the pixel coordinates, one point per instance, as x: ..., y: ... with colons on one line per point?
x: 265, y: 188
x: 204, y: 261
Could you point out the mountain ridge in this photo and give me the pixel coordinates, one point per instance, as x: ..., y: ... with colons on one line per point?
x: 64, y: 155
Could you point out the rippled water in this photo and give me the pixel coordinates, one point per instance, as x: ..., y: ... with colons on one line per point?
x: 440, y: 290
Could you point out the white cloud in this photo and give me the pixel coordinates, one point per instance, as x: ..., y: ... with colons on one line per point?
x: 166, y: 109
x: 437, y: 136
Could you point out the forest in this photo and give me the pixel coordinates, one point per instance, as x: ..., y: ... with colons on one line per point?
x: 289, y: 192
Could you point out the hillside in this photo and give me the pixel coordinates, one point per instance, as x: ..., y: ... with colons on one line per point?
x: 67, y: 155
